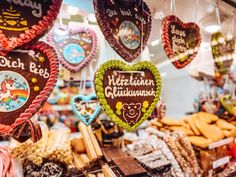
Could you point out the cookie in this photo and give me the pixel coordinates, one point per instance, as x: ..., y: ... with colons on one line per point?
x: 193, y: 127
x: 211, y: 132
x: 185, y: 130
x: 207, y: 117
x: 200, y: 141
x: 171, y: 122
x: 156, y: 123
x: 225, y: 125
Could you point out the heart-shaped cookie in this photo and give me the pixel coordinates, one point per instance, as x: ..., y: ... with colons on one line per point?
x: 27, y: 78
x: 76, y: 48
x: 22, y: 21
x: 223, y: 52
x: 128, y: 94
x: 181, y: 41
x: 126, y: 25
x: 86, y: 108
x: 229, y: 104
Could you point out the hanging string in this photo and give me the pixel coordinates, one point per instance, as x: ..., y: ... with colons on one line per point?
x: 173, y: 7
x: 232, y: 24
x: 218, y: 14
x: 82, y: 81
x: 196, y: 11
x: 142, y: 32
x: 91, y: 72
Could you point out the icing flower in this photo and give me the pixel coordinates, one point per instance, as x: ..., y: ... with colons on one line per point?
x: 119, y: 106
x: 145, y: 106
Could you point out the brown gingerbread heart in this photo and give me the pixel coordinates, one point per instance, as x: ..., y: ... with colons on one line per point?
x: 181, y: 41
x: 126, y: 25
x: 27, y: 77
x: 128, y: 94
x: 22, y: 21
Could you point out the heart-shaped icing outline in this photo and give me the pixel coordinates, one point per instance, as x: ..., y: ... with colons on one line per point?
x: 98, y: 80
x: 34, y: 31
x: 87, y: 59
x: 44, y: 94
x: 85, y: 98
x: 106, y: 29
x: 166, y: 41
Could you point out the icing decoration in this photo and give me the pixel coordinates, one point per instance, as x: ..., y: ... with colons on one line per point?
x: 181, y: 41
x: 86, y: 108
x: 229, y: 104
x: 223, y: 52
x: 76, y: 48
x: 128, y: 94
x: 27, y: 78
x: 125, y: 25
x: 22, y: 21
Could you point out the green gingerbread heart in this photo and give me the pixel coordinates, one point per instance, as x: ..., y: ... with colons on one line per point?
x: 128, y: 94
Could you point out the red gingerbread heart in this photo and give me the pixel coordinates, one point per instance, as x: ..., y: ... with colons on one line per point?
x: 126, y: 25
x: 27, y: 77
x: 181, y: 41
x: 23, y: 21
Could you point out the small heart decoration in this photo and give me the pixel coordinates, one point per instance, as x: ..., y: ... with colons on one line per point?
x: 86, y: 108
x: 128, y: 94
x: 27, y: 78
x: 76, y: 48
x: 126, y: 25
x: 181, y: 41
x: 24, y: 21
x: 223, y: 52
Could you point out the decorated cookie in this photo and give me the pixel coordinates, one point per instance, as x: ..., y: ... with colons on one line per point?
x: 128, y: 94
x: 86, y: 108
x: 181, y: 41
x: 22, y: 21
x: 229, y: 104
x: 27, y: 78
x: 126, y: 25
x: 223, y: 52
x: 76, y: 48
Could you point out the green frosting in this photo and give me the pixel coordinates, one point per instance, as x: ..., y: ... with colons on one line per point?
x: 123, y: 66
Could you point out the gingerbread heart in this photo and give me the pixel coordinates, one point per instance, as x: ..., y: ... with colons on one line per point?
x: 86, y: 108
x: 223, y: 52
x: 27, y: 77
x: 181, y: 41
x: 22, y: 21
x: 128, y: 94
x: 76, y: 48
x: 126, y: 25
x: 229, y: 104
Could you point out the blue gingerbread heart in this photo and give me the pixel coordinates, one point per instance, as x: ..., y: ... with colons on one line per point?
x: 86, y: 108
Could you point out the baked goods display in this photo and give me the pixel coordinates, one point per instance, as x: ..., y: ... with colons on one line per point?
x: 201, y: 128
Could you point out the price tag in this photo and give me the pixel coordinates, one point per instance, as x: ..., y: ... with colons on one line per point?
x: 220, y: 143
x: 220, y: 162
